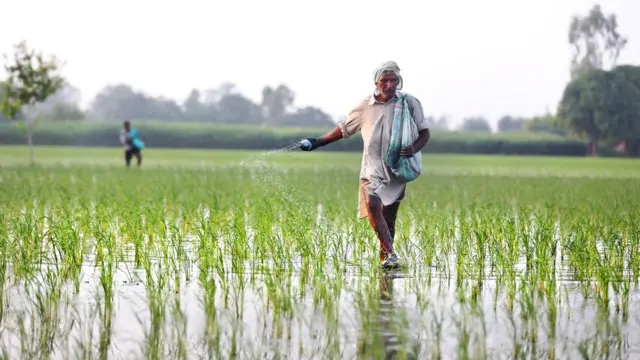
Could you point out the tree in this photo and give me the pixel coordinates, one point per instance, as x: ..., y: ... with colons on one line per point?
x: 276, y: 102
x: 31, y: 79
x: 196, y: 110
x: 509, y: 123
x: 592, y: 37
x: 117, y: 102
x: 307, y: 117
x: 3, y: 118
x: 67, y: 95
x: 547, y: 123
x: 214, y: 95
x: 121, y: 102
x: 237, y: 109
x: 598, y: 105
x: 628, y: 129
x: 61, y: 106
x: 62, y: 112
x: 476, y: 124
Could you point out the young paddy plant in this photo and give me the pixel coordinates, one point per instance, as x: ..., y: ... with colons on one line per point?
x: 68, y: 244
x: 507, y: 256
x: 27, y: 234
x: 156, y: 289
x: 464, y: 252
x: 176, y: 255
x: 132, y: 231
x: 207, y: 281
x: 238, y: 242
x: 5, y: 272
x: 105, y: 309
x: 632, y: 240
x: 40, y: 321
x: 178, y: 316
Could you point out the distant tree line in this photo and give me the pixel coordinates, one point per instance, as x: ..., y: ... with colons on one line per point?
x: 223, y: 105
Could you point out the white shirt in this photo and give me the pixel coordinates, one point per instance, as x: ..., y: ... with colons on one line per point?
x: 124, y: 137
x: 374, y: 120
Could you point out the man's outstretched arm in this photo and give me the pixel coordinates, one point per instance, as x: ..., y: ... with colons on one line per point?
x: 330, y: 137
x: 310, y: 144
x: 344, y: 130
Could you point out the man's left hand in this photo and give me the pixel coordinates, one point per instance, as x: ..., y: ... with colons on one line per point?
x: 407, y: 151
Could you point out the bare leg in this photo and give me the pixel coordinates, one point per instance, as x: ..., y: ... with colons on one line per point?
x: 382, y: 219
x: 389, y: 213
x: 379, y: 225
x: 139, y: 158
x: 127, y: 158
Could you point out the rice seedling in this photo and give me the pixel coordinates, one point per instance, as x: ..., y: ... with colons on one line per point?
x: 265, y: 259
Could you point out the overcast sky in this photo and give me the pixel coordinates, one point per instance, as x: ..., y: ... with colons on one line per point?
x: 460, y: 57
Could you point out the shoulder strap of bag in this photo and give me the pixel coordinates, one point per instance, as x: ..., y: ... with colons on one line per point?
x: 406, y: 98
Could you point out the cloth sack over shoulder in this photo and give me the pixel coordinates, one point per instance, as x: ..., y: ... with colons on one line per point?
x: 403, y: 133
x: 135, y: 140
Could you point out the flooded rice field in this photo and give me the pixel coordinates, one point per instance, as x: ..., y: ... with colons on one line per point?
x: 271, y: 262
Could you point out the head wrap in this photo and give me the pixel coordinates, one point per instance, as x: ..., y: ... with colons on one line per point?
x: 386, y: 67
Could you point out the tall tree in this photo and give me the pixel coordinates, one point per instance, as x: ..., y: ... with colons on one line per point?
x: 276, y: 102
x: 307, y: 116
x: 597, y: 105
x: 237, y: 109
x: 476, y: 124
x: 508, y: 123
x: 31, y: 79
x: 592, y: 37
x: 628, y: 127
x: 121, y: 102
x: 214, y: 95
x: 195, y: 110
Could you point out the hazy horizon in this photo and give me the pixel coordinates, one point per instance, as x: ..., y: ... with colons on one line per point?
x: 461, y: 58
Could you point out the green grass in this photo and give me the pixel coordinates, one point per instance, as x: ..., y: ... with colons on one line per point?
x: 237, y: 254
x: 462, y: 164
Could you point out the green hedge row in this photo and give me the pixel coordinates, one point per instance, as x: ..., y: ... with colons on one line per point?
x: 210, y: 136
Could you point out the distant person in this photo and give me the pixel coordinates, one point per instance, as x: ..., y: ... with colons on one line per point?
x: 380, y: 192
x: 132, y: 144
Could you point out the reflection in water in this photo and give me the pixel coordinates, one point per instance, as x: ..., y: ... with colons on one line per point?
x: 384, y: 333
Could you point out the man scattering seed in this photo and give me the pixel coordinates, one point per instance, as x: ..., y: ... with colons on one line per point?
x: 132, y: 144
x: 380, y: 192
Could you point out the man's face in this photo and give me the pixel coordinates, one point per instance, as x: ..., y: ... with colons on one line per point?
x: 387, y: 84
x: 126, y: 126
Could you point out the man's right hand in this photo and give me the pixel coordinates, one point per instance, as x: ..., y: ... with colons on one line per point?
x: 309, y: 144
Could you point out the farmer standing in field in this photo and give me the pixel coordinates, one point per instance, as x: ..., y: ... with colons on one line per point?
x: 132, y: 144
x: 380, y: 192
